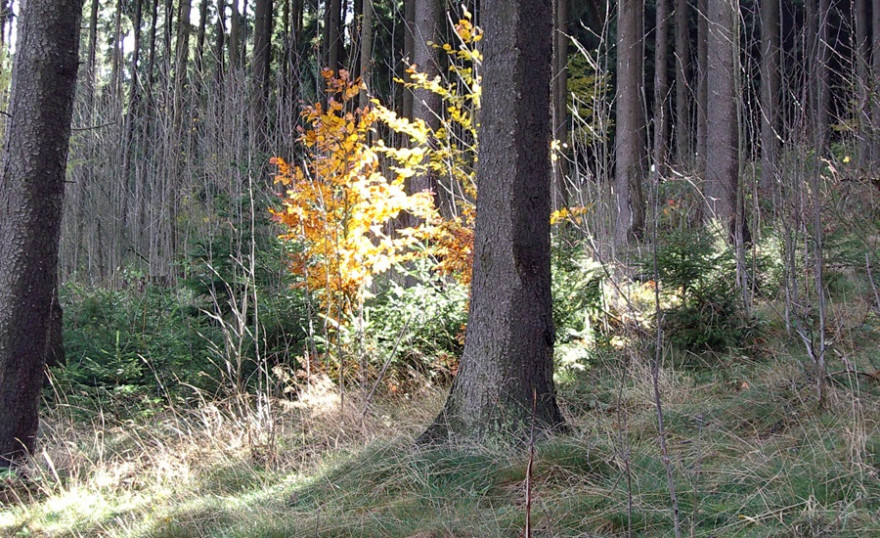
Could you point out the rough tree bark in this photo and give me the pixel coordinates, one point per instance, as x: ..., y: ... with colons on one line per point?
x: 722, y: 144
x: 683, y: 140
x: 661, y: 88
x: 262, y: 60
x: 506, y: 366
x: 770, y: 83
x: 31, y: 192
x: 629, y: 142
x: 875, y: 54
x: 427, y: 105
x: 559, y: 98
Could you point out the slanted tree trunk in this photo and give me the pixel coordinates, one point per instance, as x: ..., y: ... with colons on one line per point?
x: 31, y: 193
x: 507, y: 363
x: 770, y: 83
x: 629, y: 142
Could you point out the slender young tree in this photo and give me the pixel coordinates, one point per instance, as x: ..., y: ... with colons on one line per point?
x: 31, y: 192
x: 507, y: 364
x: 630, y: 148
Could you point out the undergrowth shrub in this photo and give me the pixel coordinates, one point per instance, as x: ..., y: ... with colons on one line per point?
x: 134, y: 345
x: 697, y: 274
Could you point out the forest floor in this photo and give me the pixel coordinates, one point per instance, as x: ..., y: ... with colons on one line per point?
x: 751, y: 455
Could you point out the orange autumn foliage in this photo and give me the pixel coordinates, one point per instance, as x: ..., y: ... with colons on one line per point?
x: 339, y: 207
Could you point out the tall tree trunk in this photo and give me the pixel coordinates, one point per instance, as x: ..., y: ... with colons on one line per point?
x: 559, y: 98
x: 875, y: 109
x: 200, y: 38
x: 116, y: 53
x: 220, y: 45
x: 629, y: 143
x: 31, y: 194
x: 409, y: 43
x: 262, y: 59
x: 822, y: 74
x: 505, y: 382
x: 366, y: 63
x: 332, y: 38
x: 770, y: 84
x: 661, y: 89
x: 133, y: 93
x: 722, y: 144
x: 684, y: 156
x: 234, y: 35
x: 702, y: 85
x: 427, y: 105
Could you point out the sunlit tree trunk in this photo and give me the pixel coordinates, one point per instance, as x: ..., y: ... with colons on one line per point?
x: 31, y: 193
x: 366, y: 63
x: 505, y: 381
x: 630, y: 139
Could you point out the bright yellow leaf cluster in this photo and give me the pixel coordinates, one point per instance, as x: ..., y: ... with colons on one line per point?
x: 339, y: 207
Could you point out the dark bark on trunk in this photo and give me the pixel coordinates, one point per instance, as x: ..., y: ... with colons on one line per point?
x: 770, y: 84
x: 722, y: 145
x: 332, y: 39
x: 366, y: 62
x: 684, y: 155
x: 507, y: 363
x: 200, y: 38
x: 875, y: 54
x: 409, y: 22
x: 133, y: 94
x: 822, y: 72
x: 31, y: 194
x: 220, y: 44
x: 702, y: 86
x: 629, y: 144
x: 559, y: 97
x: 262, y: 59
x: 234, y: 36
x: 661, y: 89
x: 427, y: 105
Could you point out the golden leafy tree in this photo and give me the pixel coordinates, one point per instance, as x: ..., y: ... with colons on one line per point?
x: 338, y: 206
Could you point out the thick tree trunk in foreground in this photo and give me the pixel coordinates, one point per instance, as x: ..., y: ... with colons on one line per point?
x: 507, y: 364
x: 31, y: 192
